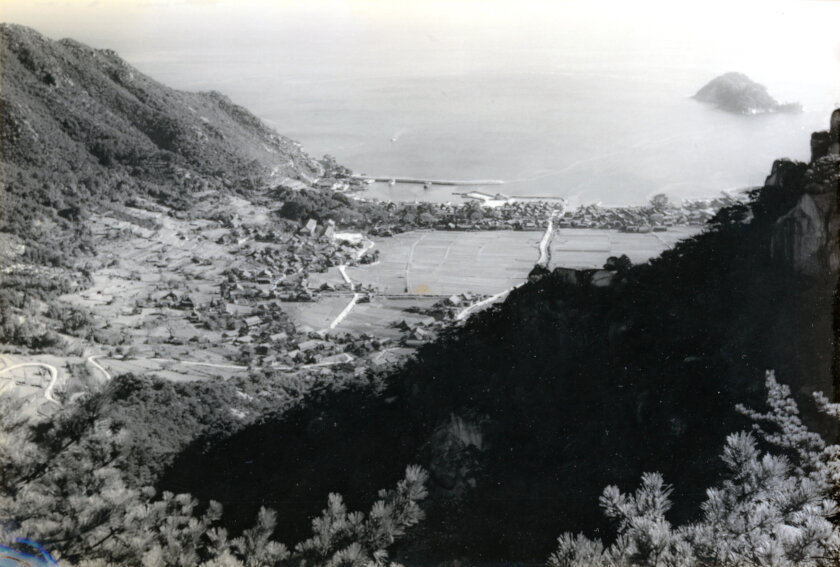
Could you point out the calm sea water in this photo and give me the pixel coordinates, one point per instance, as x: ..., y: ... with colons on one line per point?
x: 584, y: 131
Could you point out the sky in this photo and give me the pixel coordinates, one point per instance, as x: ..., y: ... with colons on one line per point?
x: 794, y: 38
x: 469, y: 79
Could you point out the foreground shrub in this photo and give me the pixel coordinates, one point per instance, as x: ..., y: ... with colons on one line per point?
x: 770, y: 509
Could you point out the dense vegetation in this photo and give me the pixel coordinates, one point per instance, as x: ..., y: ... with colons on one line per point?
x: 108, y: 135
x: 323, y: 204
x: 775, y: 508
x: 62, y: 485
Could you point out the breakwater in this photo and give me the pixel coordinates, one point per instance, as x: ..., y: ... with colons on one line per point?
x: 418, y: 181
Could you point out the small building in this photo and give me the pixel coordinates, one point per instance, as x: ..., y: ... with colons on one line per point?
x: 310, y: 226
x: 602, y: 278
x: 454, y: 300
x: 311, y: 344
x: 253, y: 321
x: 340, y: 358
x: 292, y: 184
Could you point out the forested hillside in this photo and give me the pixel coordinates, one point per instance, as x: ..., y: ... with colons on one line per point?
x: 524, y: 415
x: 83, y: 131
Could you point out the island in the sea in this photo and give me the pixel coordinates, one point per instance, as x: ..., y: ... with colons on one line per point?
x: 737, y: 93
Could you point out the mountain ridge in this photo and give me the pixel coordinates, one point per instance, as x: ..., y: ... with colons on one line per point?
x: 108, y: 133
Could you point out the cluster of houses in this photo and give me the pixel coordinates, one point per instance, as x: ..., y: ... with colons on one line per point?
x: 645, y: 218
x: 418, y: 332
x: 512, y: 215
x: 448, y: 308
x: 245, y: 287
x: 339, y: 179
x: 262, y: 345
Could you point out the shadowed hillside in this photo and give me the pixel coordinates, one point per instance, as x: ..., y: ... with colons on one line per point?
x: 524, y: 415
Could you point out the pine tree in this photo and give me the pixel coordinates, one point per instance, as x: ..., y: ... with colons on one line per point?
x: 769, y: 510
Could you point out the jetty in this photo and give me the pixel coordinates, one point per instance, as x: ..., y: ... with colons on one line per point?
x: 418, y: 181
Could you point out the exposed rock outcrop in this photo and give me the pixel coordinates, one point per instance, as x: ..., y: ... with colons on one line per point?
x: 806, y: 237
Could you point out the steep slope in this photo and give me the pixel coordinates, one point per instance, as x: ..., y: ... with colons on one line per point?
x: 524, y: 415
x: 80, y: 128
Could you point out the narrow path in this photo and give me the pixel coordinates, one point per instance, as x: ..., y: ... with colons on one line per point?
x: 545, y: 251
x: 343, y: 271
x: 48, y: 392
x: 92, y: 361
x: 467, y: 311
x: 408, y: 262
x: 356, y: 296
x: 544, y: 260
x: 662, y: 240
x: 341, y: 316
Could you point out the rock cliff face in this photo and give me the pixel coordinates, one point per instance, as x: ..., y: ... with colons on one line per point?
x: 735, y: 92
x: 806, y: 237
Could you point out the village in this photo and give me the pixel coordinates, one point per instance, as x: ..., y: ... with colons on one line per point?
x: 239, y: 289
x: 485, y: 211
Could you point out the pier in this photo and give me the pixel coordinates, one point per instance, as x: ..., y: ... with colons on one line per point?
x: 419, y: 181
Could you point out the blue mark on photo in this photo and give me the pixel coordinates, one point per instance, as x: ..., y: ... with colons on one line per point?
x: 25, y: 553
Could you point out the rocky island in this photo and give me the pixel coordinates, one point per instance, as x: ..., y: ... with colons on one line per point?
x: 737, y: 93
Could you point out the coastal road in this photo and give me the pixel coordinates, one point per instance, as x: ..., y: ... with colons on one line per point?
x: 48, y: 392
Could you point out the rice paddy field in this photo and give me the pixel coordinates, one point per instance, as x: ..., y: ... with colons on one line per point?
x: 317, y: 315
x: 379, y: 317
x: 443, y: 263
x: 589, y: 248
x: 449, y: 262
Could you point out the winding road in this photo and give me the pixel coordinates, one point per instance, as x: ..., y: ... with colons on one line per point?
x: 48, y: 392
x: 92, y: 361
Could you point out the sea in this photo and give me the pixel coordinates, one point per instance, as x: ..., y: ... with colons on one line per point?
x: 614, y: 131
